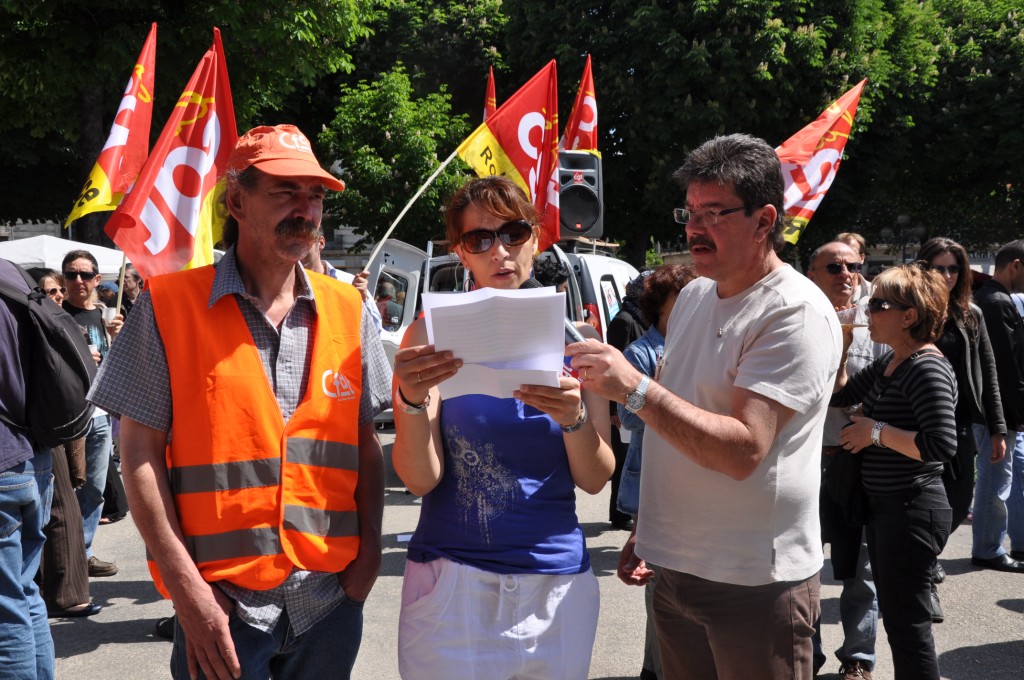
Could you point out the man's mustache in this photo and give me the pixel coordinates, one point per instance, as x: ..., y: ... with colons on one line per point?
x: 295, y: 226
x: 698, y: 240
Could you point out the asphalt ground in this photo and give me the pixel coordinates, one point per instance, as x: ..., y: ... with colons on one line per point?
x: 981, y: 638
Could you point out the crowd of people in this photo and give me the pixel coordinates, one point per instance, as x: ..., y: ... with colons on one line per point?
x: 746, y: 413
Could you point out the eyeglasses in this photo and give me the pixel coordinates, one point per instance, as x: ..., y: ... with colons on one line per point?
x: 85, y: 276
x: 952, y: 269
x: 514, y: 233
x: 709, y: 216
x: 876, y: 305
x: 52, y: 292
x: 837, y: 267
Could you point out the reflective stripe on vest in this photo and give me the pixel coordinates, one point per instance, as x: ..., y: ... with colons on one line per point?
x: 246, y: 474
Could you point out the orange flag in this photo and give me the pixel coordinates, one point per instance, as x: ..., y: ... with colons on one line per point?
x: 491, y: 101
x: 581, y: 128
x: 171, y: 220
x: 520, y: 140
x: 811, y: 157
x: 127, y: 146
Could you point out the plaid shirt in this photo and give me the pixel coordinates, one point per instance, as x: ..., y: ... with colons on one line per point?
x: 134, y: 381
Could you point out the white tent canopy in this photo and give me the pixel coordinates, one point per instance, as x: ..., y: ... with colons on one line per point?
x: 49, y: 252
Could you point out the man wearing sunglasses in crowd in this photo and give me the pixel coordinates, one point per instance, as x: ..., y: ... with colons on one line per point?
x: 81, y: 276
x: 860, y: 246
x: 834, y: 268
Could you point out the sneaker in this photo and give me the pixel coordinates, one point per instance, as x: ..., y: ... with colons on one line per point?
x: 854, y: 671
x: 99, y: 568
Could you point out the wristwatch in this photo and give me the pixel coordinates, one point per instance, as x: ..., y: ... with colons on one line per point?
x: 580, y: 421
x: 876, y: 434
x: 636, y: 399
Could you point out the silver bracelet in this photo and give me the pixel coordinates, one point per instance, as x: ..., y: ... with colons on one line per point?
x: 580, y: 422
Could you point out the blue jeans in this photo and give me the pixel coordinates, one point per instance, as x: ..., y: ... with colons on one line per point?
x: 858, y: 612
x: 26, y: 648
x: 992, y: 497
x: 1015, y: 503
x: 97, y: 459
x: 327, y: 650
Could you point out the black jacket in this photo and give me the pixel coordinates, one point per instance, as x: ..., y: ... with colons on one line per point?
x: 1006, y: 333
x: 979, y: 388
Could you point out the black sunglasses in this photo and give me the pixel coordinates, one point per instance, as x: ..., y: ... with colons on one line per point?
x: 952, y: 269
x: 53, y: 291
x: 876, y: 305
x: 514, y: 233
x: 85, y: 276
x: 837, y: 267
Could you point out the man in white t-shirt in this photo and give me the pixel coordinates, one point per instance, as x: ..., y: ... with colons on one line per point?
x: 729, y: 486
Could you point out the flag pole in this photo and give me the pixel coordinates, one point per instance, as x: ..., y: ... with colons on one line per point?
x: 120, y: 283
x: 380, y: 244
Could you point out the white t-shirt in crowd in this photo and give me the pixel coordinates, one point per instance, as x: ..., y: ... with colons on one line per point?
x: 781, y: 339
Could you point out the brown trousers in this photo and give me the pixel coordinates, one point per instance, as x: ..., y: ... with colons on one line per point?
x: 63, y: 571
x: 719, y: 631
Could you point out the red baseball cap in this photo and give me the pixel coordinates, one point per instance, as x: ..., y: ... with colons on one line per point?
x: 282, y: 151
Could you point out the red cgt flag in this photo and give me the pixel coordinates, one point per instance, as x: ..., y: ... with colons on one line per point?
x: 811, y: 157
x: 170, y: 220
x: 491, y: 100
x: 520, y: 140
x: 581, y: 128
x: 127, y: 145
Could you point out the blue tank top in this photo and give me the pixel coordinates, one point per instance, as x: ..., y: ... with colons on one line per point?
x: 506, y: 502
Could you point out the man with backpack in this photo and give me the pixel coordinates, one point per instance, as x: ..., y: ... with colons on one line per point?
x: 26, y: 648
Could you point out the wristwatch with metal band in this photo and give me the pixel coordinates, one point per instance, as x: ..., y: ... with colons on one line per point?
x: 638, y: 397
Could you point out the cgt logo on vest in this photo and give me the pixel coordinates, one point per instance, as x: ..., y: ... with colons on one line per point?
x: 337, y: 386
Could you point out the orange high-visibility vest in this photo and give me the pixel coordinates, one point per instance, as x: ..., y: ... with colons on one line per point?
x: 256, y: 497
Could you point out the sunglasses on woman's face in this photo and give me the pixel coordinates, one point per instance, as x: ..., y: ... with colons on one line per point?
x: 514, y: 233
x: 876, y: 305
x: 952, y: 269
x: 52, y: 292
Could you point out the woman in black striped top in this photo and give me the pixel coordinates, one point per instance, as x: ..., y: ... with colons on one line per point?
x: 906, y: 433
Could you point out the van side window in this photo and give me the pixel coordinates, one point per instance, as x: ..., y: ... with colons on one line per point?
x: 610, y: 296
x: 390, y: 298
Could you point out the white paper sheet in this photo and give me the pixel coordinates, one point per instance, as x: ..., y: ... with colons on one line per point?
x: 505, y: 338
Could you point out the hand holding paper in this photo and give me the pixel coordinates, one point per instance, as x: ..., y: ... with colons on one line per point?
x: 505, y: 338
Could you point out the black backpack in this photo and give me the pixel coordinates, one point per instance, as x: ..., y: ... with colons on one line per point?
x: 60, y: 367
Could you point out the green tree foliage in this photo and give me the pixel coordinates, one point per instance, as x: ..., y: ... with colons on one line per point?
x: 970, y: 187
x: 670, y: 75
x: 64, y: 65
x: 441, y: 43
x: 387, y: 142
